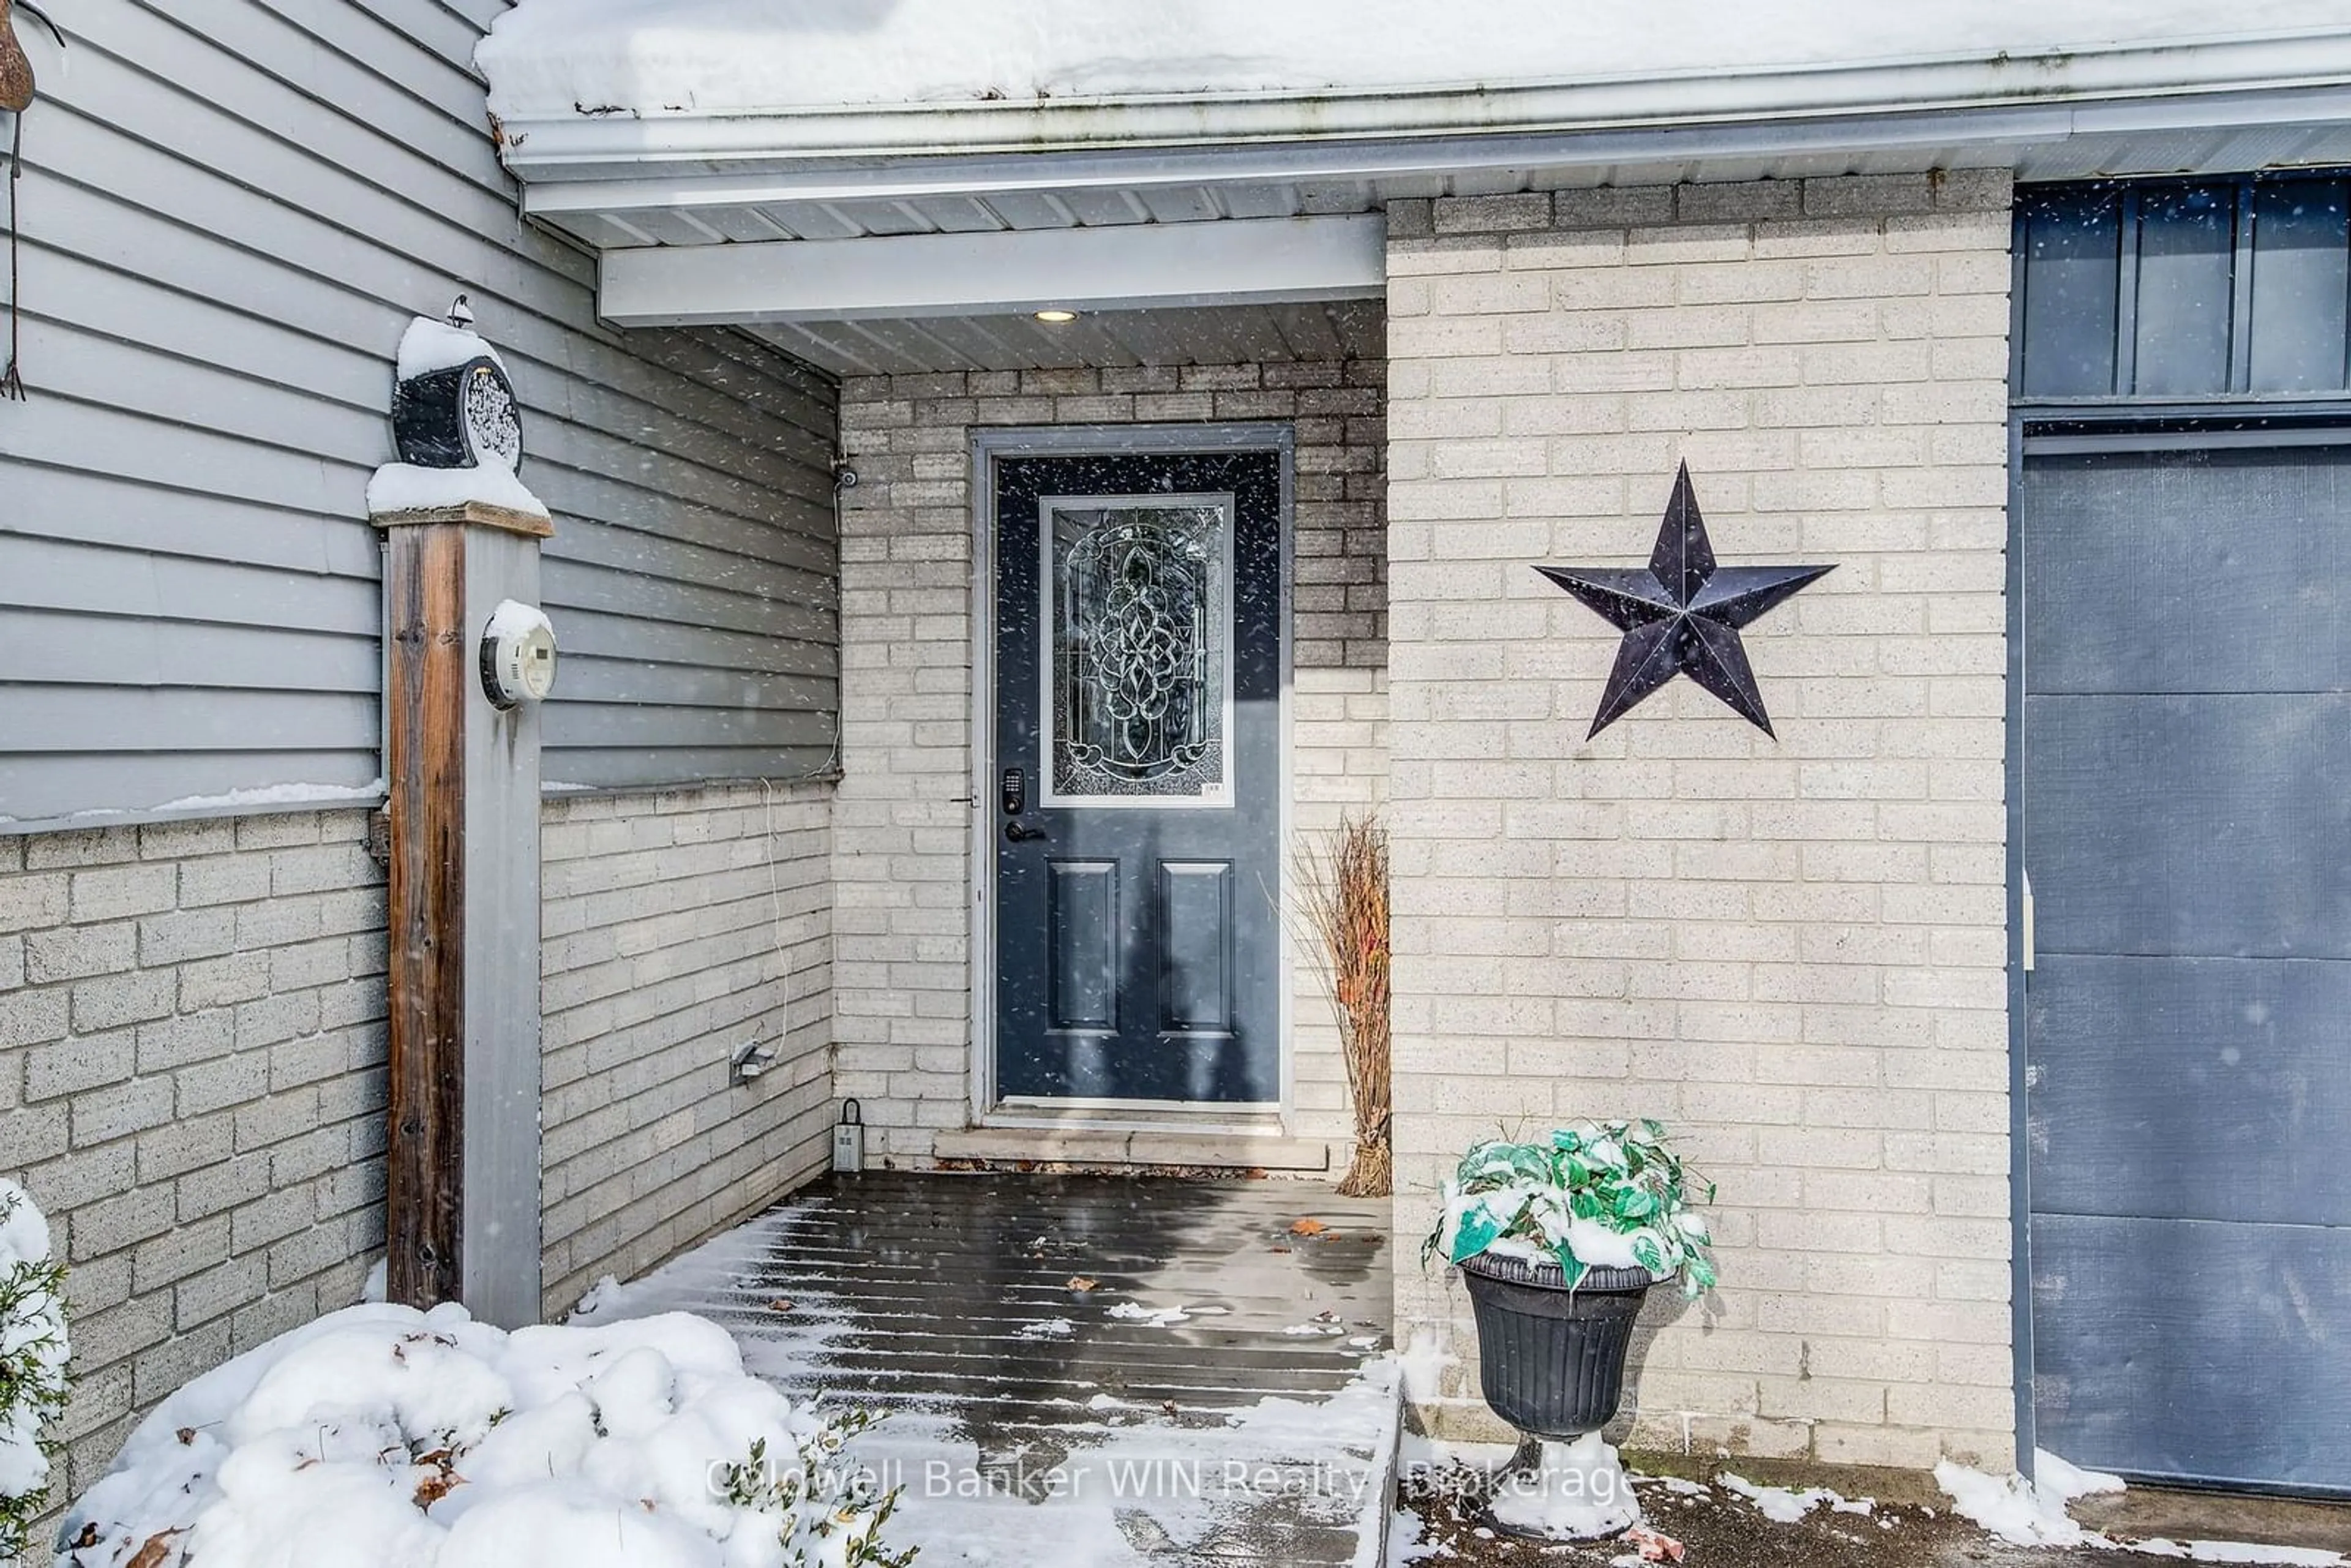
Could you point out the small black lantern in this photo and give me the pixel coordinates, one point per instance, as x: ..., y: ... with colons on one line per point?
x: 453, y: 406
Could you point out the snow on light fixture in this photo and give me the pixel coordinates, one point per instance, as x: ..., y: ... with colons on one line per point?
x: 1056, y: 314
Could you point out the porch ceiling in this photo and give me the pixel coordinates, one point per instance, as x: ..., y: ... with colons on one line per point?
x: 1205, y: 335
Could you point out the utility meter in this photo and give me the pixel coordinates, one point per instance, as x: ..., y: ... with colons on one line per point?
x: 517, y: 655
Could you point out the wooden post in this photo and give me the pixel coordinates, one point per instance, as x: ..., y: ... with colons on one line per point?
x: 461, y: 1201
x: 424, y: 573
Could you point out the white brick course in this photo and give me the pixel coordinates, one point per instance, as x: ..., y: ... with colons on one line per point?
x: 192, y: 1080
x: 901, y: 847
x: 1791, y: 951
x: 675, y: 926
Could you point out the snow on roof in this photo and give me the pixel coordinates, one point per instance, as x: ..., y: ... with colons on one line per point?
x: 550, y: 58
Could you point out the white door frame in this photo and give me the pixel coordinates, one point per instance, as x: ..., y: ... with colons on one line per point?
x: 1090, y: 441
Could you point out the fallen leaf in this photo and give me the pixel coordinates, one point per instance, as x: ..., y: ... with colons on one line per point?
x: 1653, y: 1545
x: 153, y: 1554
x: 779, y: 1305
x: 186, y: 1435
x: 1310, y: 1225
x: 1080, y: 1282
x: 434, y: 1488
x: 1277, y: 1248
x: 89, y: 1536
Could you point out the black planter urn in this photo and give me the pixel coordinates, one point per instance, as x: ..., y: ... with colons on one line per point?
x: 1550, y: 1360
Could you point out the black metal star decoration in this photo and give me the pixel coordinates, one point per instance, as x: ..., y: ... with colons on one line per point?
x: 1683, y: 614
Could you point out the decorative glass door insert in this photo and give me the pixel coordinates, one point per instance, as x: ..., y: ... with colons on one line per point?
x: 1138, y: 685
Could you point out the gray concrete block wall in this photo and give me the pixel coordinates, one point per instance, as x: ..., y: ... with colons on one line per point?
x: 677, y: 927
x: 191, y: 1085
x: 902, y: 848
x: 1794, y: 951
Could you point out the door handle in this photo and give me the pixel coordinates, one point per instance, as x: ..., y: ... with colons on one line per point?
x: 1017, y: 833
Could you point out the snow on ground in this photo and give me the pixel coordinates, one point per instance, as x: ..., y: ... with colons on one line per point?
x: 1404, y: 1545
x: 2053, y: 1474
x: 1128, y: 1487
x: 1149, y: 1317
x: 660, y: 57
x: 1578, y: 1490
x: 380, y: 1437
x: 1781, y: 1506
x: 1114, y: 1483
x: 2033, y: 1513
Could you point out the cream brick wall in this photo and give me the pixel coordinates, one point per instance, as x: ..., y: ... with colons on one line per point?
x: 902, y: 861
x: 677, y: 927
x: 192, y: 1084
x: 1790, y: 951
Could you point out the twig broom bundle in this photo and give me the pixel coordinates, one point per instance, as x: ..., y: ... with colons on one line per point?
x: 1344, y: 903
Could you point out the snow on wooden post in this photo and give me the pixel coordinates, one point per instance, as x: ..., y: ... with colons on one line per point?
x: 462, y: 537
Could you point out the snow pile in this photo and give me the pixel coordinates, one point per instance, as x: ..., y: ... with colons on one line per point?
x: 406, y: 487
x: 2012, y: 1508
x: 1149, y: 1317
x: 381, y: 1436
x: 1578, y: 1491
x: 427, y: 346
x: 1423, y: 1362
x: 2033, y: 1513
x: 1781, y: 1506
x: 2051, y: 1474
x: 32, y: 1356
x: 676, y: 57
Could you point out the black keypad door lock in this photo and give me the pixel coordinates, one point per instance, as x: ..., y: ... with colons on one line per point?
x: 1016, y: 792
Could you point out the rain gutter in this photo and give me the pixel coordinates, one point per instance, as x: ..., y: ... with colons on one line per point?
x: 927, y: 149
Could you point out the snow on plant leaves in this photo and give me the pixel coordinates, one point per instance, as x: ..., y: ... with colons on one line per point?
x: 1612, y: 1195
x: 1477, y: 1232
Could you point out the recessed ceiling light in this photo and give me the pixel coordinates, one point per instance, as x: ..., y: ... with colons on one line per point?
x: 1057, y: 316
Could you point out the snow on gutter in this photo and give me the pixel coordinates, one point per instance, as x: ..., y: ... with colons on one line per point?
x: 2032, y: 96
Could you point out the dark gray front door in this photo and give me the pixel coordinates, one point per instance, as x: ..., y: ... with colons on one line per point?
x: 1138, y: 680
x: 2186, y: 829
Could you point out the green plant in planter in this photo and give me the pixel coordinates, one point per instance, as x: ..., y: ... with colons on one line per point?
x: 1609, y: 1195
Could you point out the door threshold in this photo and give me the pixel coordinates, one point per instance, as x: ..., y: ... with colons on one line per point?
x: 1068, y: 1141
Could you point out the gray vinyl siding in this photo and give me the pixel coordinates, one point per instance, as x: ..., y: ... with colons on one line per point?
x: 229, y: 213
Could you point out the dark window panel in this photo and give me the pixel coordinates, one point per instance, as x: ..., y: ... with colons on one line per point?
x: 2302, y: 278
x: 2187, y: 241
x: 2071, y: 256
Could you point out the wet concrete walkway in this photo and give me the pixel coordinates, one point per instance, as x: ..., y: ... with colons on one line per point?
x: 1080, y: 1370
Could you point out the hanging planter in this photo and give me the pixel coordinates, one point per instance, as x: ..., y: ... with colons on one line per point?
x: 1559, y: 1243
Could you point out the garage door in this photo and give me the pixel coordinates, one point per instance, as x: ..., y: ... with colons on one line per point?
x: 2187, y: 830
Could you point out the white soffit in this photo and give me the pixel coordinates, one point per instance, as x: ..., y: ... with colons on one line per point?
x: 1136, y: 267
x: 1202, y: 335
